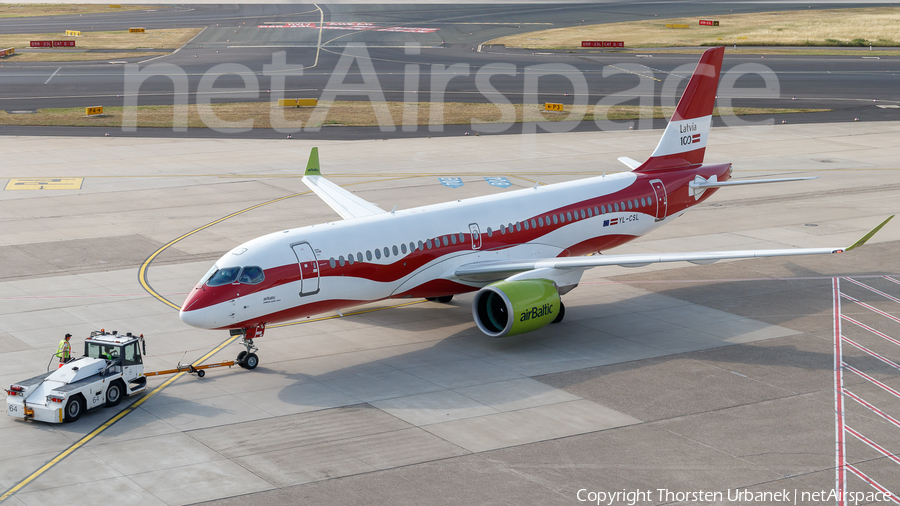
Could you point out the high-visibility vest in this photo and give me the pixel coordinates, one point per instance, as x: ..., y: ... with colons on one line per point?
x: 64, y: 350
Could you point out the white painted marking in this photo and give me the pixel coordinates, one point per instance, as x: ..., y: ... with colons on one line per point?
x: 51, y: 75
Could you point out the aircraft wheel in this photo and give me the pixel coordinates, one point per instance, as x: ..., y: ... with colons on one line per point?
x: 240, y: 359
x: 445, y: 299
x: 74, y: 408
x: 251, y: 361
x: 562, y: 313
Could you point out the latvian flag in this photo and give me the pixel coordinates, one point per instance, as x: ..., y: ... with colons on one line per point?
x: 695, y: 138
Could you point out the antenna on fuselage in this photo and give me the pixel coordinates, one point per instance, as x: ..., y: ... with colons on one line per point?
x: 394, y: 209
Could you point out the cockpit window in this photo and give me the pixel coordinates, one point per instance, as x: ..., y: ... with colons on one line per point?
x: 252, y: 275
x: 224, y: 276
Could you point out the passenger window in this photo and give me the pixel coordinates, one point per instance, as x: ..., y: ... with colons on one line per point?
x: 602, y: 209
x: 541, y: 221
x: 562, y: 218
x: 224, y: 276
x: 569, y: 216
x: 533, y: 223
x: 428, y: 243
x: 412, y: 246
x: 331, y: 262
x: 462, y: 238
x: 596, y: 211
x: 555, y: 220
x: 395, y: 250
x: 359, y: 257
x: 377, y: 254
x: 518, y: 227
x: 490, y: 232
x: 617, y: 207
x: 582, y: 214
x: 421, y: 246
x: 403, y: 248
x: 622, y: 204
x: 526, y: 224
x: 252, y: 275
x: 629, y: 205
x: 590, y: 213
x: 341, y: 260
x: 387, y: 252
x: 446, y: 241
x: 453, y: 239
x: 502, y: 230
x: 350, y: 258
x: 368, y: 255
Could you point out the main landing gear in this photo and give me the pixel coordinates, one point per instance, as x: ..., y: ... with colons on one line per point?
x: 248, y: 359
x: 443, y: 300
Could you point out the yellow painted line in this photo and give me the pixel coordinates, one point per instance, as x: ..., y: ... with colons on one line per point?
x: 109, y: 423
x: 59, y: 183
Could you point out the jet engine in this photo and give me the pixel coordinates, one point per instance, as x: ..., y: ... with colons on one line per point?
x: 507, y: 308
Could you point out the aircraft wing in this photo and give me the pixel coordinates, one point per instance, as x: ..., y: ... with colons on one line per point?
x: 502, y: 269
x: 344, y: 202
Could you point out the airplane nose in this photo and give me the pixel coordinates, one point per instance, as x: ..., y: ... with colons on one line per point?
x: 195, y: 318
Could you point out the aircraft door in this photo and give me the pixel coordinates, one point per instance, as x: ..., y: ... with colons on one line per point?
x: 476, y: 236
x: 309, y: 268
x: 661, y: 200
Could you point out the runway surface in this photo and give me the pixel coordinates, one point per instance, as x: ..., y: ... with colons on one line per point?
x: 850, y: 83
x: 674, y: 377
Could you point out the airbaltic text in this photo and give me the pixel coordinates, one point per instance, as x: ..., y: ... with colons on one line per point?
x: 536, y: 312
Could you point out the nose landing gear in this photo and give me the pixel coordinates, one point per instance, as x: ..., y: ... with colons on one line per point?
x: 248, y: 359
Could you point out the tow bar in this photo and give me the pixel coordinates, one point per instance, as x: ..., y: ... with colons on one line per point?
x: 199, y: 370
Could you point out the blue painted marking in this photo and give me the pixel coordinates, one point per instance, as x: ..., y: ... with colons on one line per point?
x: 451, y: 182
x: 499, y: 182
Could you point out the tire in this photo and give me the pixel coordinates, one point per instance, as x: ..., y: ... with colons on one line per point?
x: 114, y: 393
x: 445, y: 299
x: 251, y: 361
x: 240, y: 359
x: 201, y: 373
x: 562, y: 313
x: 74, y: 408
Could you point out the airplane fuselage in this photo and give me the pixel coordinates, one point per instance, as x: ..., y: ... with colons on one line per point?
x: 414, y: 252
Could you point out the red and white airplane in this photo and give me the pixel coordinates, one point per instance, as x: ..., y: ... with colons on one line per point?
x: 520, y: 250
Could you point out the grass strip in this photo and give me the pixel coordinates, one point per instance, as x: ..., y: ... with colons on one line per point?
x: 855, y: 27
x: 349, y: 113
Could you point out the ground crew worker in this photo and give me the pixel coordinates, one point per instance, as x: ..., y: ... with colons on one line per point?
x: 64, y: 351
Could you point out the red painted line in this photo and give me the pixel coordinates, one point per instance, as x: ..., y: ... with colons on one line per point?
x: 871, y: 308
x: 840, y: 444
x: 873, y: 290
x: 873, y: 380
x: 874, y: 445
x: 870, y: 329
x: 872, y: 482
x: 889, y: 279
x: 871, y: 353
x: 872, y: 408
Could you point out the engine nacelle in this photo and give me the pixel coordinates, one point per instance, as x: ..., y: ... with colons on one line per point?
x: 507, y: 308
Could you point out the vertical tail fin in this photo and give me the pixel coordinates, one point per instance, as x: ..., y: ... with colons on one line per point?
x: 684, y: 141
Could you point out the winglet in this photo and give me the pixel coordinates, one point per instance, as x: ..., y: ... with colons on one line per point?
x: 870, y: 234
x: 312, y: 167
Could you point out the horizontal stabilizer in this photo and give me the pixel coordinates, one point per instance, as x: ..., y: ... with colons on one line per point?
x: 712, y: 183
x: 630, y: 162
